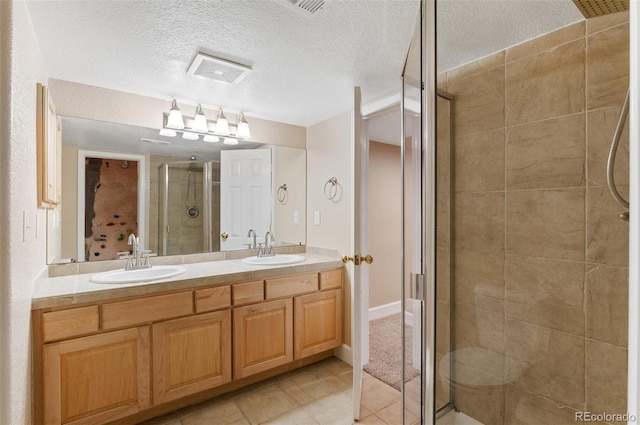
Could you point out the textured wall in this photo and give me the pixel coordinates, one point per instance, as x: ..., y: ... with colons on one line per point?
x: 330, y: 154
x: 540, y: 256
x: 22, y: 261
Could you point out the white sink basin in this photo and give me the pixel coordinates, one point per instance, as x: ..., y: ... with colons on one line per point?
x: 140, y: 275
x: 275, y: 260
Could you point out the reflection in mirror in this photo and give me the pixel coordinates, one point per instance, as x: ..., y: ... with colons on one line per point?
x: 185, y: 197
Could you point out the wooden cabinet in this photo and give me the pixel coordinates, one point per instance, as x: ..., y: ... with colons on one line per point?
x: 262, y: 336
x: 97, y: 379
x: 191, y: 354
x: 318, y: 322
x: 102, y: 362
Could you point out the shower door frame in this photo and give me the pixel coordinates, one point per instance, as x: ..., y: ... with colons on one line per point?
x: 633, y: 378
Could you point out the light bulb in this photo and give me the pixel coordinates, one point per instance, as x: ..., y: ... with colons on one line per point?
x: 211, y: 139
x: 230, y: 141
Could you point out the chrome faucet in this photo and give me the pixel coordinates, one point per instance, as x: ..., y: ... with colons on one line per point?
x: 267, y: 249
x: 251, y: 231
x: 139, y: 258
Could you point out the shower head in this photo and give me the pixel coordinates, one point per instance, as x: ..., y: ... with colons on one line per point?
x: 594, y: 8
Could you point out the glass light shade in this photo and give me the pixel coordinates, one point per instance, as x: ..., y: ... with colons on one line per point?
x: 168, y: 132
x: 230, y: 141
x: 200, y: 121
x: 243, y: 127
x: 211, y: 139
x: 222, y: 125
x: 190, y: 136
x: 175, y: 117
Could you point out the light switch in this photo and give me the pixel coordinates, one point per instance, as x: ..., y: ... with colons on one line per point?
x: 316, y: 218
x: 296, y: 217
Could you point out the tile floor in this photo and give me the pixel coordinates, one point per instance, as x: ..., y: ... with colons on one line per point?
x: 318, y: 394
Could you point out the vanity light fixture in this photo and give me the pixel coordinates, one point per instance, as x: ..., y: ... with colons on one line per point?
x: 175, y: 119
x: 213, y: 131
x: 200, y: 121
x: 243, y: 127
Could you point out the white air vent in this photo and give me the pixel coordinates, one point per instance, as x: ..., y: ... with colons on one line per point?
x: 218, y: 69
x: 306, y: 7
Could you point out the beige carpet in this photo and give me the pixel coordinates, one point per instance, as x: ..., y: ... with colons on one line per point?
x: 385, y: 354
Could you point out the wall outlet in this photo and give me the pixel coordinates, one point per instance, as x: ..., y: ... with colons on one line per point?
x: 296, y: 217
x: 316, y: 218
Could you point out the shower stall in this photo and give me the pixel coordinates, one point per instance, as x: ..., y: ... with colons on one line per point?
x: 522, y: 283
x: 188, y: 207
x: 531, y: 307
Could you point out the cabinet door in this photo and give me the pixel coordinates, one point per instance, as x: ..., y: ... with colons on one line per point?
x: 262, y: 336
x: 191, y: 354
x: 97, y: 379
x: 318, y: 323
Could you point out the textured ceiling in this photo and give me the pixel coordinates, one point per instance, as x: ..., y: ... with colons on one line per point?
x: 304, y: 69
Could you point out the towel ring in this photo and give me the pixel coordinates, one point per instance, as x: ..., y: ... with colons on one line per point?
x: 282, y: 193
x: 333, y: 188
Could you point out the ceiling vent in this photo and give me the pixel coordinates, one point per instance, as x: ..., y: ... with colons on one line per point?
x: 308, y: 8
x: 218, y: 69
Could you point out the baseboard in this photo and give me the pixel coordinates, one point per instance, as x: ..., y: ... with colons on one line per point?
x: 344, y: 353
x: 384, y: 310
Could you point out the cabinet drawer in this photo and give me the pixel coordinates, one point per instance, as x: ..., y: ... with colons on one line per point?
x: 246, y: 293
x: 70, y: 323
x: 331, y: 279
x: 291, y: 285
x: 210, y: 299
x: 145, y: 310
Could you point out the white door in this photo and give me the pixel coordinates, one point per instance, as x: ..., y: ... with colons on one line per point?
x: 360, y: 247
x: 245, y: 196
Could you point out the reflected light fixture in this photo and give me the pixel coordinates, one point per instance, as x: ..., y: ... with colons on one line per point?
x: 213, y: 131
x: 222, y: 125
x: 175, y: 117
x: 168, y: 132
x: 190, y: 136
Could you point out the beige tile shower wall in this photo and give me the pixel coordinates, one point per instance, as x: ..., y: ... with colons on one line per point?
x: 540, y: 256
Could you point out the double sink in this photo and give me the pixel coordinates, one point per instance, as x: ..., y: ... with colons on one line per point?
x: 165, y: 272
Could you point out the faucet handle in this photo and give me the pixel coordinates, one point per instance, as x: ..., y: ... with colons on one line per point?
x: 123, y: 255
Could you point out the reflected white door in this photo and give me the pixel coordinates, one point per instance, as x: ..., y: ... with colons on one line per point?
x: 245, y: 196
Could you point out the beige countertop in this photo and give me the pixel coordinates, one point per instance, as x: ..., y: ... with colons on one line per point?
x: 78, y: 289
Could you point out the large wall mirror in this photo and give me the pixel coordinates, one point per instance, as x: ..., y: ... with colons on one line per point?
x: 178, y: 196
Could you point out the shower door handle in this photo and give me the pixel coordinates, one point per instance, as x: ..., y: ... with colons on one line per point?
x: 417, y: 286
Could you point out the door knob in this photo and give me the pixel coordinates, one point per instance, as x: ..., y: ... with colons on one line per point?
x: 224, y: 236
x: 357, y: 260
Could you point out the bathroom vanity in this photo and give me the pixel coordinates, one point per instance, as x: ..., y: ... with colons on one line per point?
x: 130, y: 352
